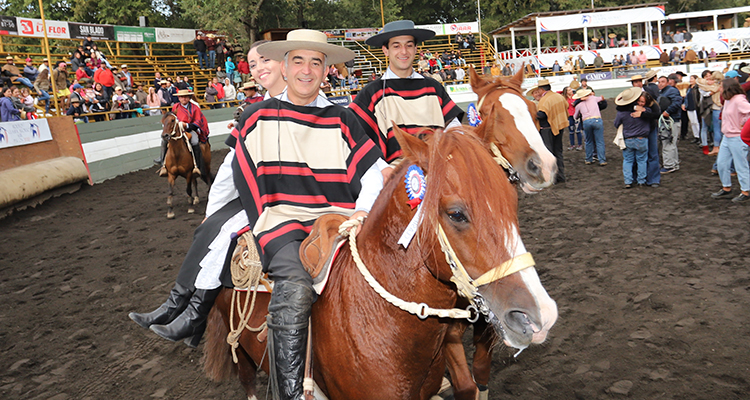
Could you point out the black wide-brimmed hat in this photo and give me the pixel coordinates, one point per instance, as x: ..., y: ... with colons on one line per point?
x: 399, y: 28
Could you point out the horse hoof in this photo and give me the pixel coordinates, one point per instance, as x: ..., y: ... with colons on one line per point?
x: 191, y: 211
x: 170, y: 215
x: 196, y: 200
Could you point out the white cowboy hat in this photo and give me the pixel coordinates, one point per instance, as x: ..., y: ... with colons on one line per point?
x: 628, y: 96
x: 541, y: 82
x: 306, y: 39
x: 249, y: 85
x: 183, y: 92
x: 581, y: 93
x: 399, y: 28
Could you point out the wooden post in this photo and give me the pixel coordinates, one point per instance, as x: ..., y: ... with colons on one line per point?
x: 49, y: 61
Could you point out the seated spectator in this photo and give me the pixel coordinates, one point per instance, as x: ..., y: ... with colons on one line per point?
x: 42, y: 87
x: 8, y: 112
x: 154, y: 101
x: 353, y: 83
x: 460, y: 74
x: 140, y: 95
x: 95, y: 102
x: 99, y: 56
x: 27, y: 99
x: 230, y: 92
x: 76, y: 61
x: 27, y: 112
x: 186, y: 82
x: 88, y: 44
x: 460, y: 58
x: 119, y: 103
x: 422, y: 64
x: 14, y: 73
x: 30, y: 71
x: 77, y: 112
x: 220, y: 74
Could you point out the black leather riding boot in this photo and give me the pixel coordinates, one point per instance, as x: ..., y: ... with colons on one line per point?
x: 175, y: 304
x: 163, y: 153
x: 192, y: 322
x: 198, y: 159
x: 288, y: 316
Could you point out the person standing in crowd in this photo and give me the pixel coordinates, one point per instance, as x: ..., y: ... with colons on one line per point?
x: 552, y: 114
x: 671, y: 104
x: 574, y: 128
x: 690, y: 106
x: 243, y: 69
x: 418, y: 101
x: 211, y: 48
x: 710, y: 91
x: 230, y: 92
x: 229, y: 67
x: 200, y: 48
x: 593, y: 126
x: 735, y: 114
x: 107, y: 79
x: 60, y: 76
x: 635, y: 130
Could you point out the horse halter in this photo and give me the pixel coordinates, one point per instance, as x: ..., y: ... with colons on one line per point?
x: 466, y: 286
x: 513, y: 176
x: 177, y: 133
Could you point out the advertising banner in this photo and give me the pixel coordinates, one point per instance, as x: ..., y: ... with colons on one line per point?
x: 97, y: 32
x: 19, y: 133
x: 360, y: 34
x: 597, y: 76
x: 8, y: 25
x: 340, y: 100
x: 169, y: 35
x: 463, y: 28
x: 596, y: 19
x: 33, y: 27
x: 135, y: 34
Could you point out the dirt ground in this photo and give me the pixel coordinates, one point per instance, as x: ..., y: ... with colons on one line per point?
x: 652, y: 286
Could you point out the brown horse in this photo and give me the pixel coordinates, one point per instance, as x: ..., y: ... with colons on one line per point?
x: 367, y: 348
x: 179, y: 161
x: 502, y: 101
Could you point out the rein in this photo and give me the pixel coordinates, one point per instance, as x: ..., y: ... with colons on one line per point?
x: 466, y: 286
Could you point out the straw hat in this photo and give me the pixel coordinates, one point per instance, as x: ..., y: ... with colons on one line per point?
x: 746, y: 69
x: 249, y: 85
x: 574, y: 84
x: 9, y: 57
x: 581, y: 93
x: 306, y: 39
x: 124, y: 66
x: 163, y: 82
x: 399, y: 28
x: 635, y: 78
x: 612, y: 35
x: 183, y: 92
x: 650, y: 74
x: 541, y: 82
x: 628, y: 96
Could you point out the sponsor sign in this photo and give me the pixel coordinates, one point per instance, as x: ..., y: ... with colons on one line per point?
x: 451, y: 29
x: 462, y: 88
x: 340, y: 100
x: 135, y: 34
x: 597, y: 76
x: 596, y: 19
x: 360, y: 34
x: 8, y: 25
x: 97, y: 32
x: 19, y: 133
x: 697, y: 69
x: 168, y: 35
x: 33, y: 27
x: 622, y: 73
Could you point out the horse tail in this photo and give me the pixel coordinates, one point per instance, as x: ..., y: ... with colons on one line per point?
x: 217, y: 355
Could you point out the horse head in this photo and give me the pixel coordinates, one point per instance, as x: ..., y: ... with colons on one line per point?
x: 511, y: 118
x: 170, y: 127
x: 468, y: 215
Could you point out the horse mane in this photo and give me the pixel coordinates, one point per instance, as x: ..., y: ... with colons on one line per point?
x: 458, y: 157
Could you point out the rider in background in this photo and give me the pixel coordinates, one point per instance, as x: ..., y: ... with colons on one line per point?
x: 191, y: 119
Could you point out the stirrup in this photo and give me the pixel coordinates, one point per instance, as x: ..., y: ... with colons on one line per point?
x: 162, y: 171
x: 196, y: 171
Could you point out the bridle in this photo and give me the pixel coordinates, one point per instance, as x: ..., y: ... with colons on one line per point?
x: 177, y: 133
x: 513, y: 176
x: 466, y: 286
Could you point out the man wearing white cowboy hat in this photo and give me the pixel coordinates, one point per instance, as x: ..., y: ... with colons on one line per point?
x: 293, y: 130
x: 250, y: 91
x: 412, y: 101
x: 191, y: 119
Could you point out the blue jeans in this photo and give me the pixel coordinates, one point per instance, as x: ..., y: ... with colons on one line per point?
x: 636, y: 149
x: 716, y: 124
x: 211, y: 59
x: 653, y: 176
x: 25, y: 81
x: 202, y: 59
x: 43, y: 96
x: 593, y: 129
x: 575, y: 130
x: 733, y: 149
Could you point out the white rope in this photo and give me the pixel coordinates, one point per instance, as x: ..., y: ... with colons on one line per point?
x: 421, y: 310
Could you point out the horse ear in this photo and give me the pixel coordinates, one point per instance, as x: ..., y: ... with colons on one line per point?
x: 412, y: 147
x: 476, y: 81
x: 518, y: 77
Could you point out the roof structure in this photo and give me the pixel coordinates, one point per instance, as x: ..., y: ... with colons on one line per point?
x: 528, y: 22
x: 708, y: 13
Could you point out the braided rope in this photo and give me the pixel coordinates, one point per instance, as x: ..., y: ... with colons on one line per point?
x: 421, y: 310
x: 246, y: 274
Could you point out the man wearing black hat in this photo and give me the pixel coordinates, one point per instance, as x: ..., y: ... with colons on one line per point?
x: 401, y: 94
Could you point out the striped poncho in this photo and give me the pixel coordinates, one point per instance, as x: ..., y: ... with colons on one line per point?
x: 412, y: 103
x: 296, y: 163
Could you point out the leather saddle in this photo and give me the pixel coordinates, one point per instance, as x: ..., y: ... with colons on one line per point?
x: 319, y: 248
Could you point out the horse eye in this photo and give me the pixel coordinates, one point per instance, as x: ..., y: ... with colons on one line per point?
x: 457, y: 216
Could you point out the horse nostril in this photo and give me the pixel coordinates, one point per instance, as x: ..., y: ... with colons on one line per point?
x: 532, y: 167
x: 518, y: 321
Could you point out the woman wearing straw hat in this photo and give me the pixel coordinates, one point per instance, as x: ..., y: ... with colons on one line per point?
x: 635, y: 131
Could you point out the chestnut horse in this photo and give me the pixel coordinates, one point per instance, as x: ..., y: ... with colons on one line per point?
x: 367, y: 348
x: 501, y: 100
x: 179, y: 161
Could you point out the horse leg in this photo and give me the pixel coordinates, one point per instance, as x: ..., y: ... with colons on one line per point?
x: 247, y: 372
x: 196, y: 200
x: 483, y: 340
x: 170, y: 182
x: 189, y: 189
x: 464, y: 387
